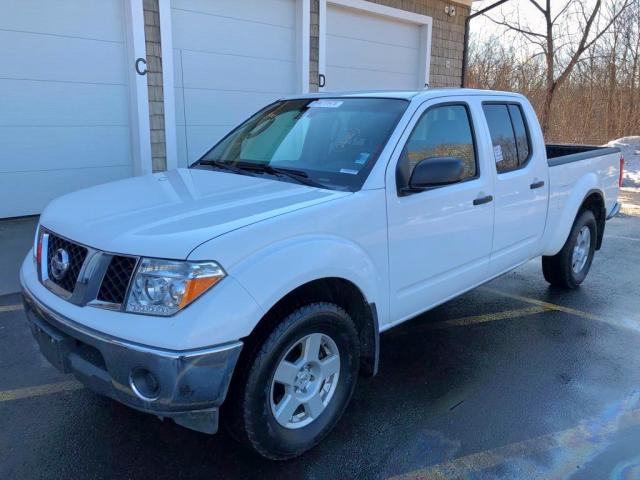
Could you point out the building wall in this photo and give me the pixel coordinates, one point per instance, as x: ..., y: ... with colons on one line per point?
x: 447, y: 39
x: 445, y: 70
x: 154, y: 84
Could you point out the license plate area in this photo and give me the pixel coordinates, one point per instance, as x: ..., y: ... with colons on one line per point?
x: 54, y: 345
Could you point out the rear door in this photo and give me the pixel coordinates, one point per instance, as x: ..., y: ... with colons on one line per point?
x: 521, y: 184
x: 439, y: 239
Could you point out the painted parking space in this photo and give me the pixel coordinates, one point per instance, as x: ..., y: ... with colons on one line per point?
x: 512, y: 380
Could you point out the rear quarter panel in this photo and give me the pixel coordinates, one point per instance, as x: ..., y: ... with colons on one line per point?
x: 570, y: 184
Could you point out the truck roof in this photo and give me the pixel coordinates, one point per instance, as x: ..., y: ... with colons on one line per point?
x: 404, y: 94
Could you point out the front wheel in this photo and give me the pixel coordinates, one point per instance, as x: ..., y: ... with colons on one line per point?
x: 298, y: 383
x: 570, y: 266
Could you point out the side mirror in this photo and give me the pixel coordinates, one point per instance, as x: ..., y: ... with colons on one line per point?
x: 436, y: 172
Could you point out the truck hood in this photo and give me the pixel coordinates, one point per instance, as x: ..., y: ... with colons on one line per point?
x: 168, y: 214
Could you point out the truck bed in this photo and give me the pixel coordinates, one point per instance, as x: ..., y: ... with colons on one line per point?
x: 577, y: 169
x: 558, y: 154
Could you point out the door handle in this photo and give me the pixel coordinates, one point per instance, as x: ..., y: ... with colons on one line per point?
x: 535, y: 185
x: 481, y: 200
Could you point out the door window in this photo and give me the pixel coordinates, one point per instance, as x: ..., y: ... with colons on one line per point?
x: 509, y: 135
x: 443, y: 131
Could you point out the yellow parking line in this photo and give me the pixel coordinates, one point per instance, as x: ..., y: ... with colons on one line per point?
x: 590, y: 433
x: 10, y: 308
x: 37, y: 391
x: 624, y: 237
x: 484, y: 318
x: 546, y: 305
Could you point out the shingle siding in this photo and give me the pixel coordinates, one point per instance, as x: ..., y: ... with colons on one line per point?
x: 154, y: 84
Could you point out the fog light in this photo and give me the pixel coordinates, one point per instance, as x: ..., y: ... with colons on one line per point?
x: 144, y: 384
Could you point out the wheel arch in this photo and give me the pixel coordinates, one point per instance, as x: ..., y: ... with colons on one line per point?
x: 594, y: 201
x: 591, y: 198
x: 337, y: 290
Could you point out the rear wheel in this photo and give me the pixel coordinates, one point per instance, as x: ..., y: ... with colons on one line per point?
x: 570, y: 266
x: 298, y: 383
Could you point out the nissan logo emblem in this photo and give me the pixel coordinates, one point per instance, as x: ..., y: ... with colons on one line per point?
x: 59, y: 264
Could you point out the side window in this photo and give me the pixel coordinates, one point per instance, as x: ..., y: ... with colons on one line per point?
x: 508, y: 135
x: 441, y: 132
x: 520, y: 130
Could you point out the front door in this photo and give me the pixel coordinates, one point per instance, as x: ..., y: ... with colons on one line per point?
x: 439, y: 238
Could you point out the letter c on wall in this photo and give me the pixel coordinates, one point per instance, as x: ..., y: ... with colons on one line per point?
x: 140, y: 71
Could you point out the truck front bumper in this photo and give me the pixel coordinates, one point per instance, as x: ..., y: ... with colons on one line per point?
x: 187, y: 386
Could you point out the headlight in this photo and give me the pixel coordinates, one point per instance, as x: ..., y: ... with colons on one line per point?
x: 163, y: 287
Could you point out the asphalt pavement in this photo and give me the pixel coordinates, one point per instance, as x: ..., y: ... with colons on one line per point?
x: 512, y: 380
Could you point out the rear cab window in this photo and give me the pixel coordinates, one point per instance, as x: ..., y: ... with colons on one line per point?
x: 509, y: 135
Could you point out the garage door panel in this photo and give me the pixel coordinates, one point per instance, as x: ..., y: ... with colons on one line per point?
x: 24, y: 190
x: 279, y: 12
x: 100, y: 19
x: 224, y: 72
x: 45, y: 148
x: 347, y: 52
x: 180, y: 113
x: 339, y: 78
x: 53, y: 58
x: 365, y: 50
x: 57, y: 104
x: 230, y: 59
x: 201, y: 138
x: 209, y: 33
x: 181, y: 140
x: 214, y: 107
x: 64, y: 99
x: 358, y: 24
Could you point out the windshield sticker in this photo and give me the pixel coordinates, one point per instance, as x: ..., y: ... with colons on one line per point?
x: 349, y: 171
x: 362, y: 158
x: 497, y: 153
x: 325, y: 104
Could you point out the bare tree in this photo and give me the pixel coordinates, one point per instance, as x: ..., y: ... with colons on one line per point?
x: 570, y: 29
x: 597, y: 102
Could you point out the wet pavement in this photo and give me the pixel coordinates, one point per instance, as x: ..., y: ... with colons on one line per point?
x: 512, y: 380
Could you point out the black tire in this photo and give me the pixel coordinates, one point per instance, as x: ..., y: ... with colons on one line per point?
x: 249, y: 414
x: 558, y: 269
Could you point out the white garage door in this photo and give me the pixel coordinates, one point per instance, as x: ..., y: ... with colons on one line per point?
x: 366, y: 51
x: 64, y: 103
x: 230, y: 58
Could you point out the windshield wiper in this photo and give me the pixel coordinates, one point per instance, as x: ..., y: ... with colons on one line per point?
x: 225, y: 166
x: 246, y: 169
x: 297, y: 175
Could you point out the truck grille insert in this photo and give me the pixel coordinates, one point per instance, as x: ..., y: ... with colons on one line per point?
x: 76, y: 256
x: 116, y: 279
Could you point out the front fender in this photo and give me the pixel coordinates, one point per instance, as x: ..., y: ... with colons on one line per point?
x: 271, y: 273
x: 563, y: 208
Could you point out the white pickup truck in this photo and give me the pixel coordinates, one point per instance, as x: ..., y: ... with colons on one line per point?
x: 262, y: 275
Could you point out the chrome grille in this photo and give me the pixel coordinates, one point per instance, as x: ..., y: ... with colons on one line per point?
x: 84, y: 275
x: 116, y: 279
x: 77, y: 255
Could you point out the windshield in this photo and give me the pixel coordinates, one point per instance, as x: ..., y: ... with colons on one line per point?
x: 330, y: 142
